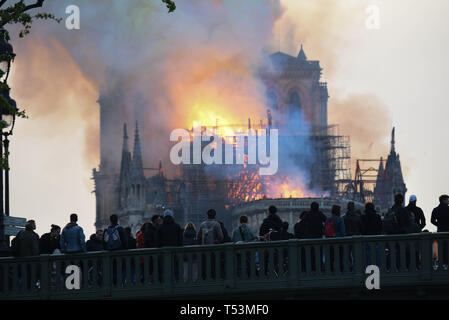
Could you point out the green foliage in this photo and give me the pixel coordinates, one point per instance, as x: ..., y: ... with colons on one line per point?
x: 170, y: 5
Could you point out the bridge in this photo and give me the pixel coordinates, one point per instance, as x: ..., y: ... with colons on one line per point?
x: 293, y: 269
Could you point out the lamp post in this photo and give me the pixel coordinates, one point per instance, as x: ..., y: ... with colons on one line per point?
x: 7, y: 113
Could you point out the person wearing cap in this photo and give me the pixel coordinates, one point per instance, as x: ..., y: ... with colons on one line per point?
x: 27, y: 241
x: 169, y: 234
x: 417, y: 212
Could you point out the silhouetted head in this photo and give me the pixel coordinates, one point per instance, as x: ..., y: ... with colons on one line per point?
x: 444, y: 198
x: 412, y: 199
x: 55, y: 230
x: 243, y: 219
x: 272, y: 210
x: 285, y: 225
x: 350, y: 206
x: 336, y: 210
x: 30, y: 225
x: 73, y: 218
x: 99, y: 234
x: 314, y: 206
x: 114, y: 219
x: 398, y: 199
x: 211, y: 213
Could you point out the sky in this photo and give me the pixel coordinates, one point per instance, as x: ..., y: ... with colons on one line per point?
x: 396, y: 75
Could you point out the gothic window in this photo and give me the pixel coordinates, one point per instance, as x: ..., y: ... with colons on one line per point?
x: 272, y: 100
x: 294, y: 103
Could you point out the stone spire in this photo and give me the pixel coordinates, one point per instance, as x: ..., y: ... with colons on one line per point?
x: 125, y: 171
x: 392, y: 141
x: 137, y: 153
x: 302, y: 56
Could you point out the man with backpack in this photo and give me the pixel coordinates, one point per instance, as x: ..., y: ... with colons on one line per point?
x: 210, y: 231
x: 335, y: 226
x: 243, y: 233
x: 271, y: 226
x: 114, y: 238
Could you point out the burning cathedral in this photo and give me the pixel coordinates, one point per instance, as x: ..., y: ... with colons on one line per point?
x: 314, y: 162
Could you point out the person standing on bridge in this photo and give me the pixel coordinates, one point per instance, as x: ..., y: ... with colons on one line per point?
x: 150, y: 231
x: 72, y: 237
x: 169, y: 234
x: 301, y: 226
x: 27, y: 241
x: 243, y: 233
x: 272, y: 225
x: 315, y: 221
x: 49, y: 242
x: 210, y: 230
x: 114, y: 237
x: 440, y: 219
x: 412, y: 208
x: 353, y: 223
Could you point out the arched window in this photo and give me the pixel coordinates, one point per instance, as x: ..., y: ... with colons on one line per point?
x: 272, y: 100
x: 294, y: 103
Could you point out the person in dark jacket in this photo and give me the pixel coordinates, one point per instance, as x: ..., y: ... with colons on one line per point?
x: 49, y: 242
x: 372, y: 225
x: 285, y: 235
x: 189, y: 236
x: 420, y: 219
x: 132, y: 243
x: 371, y: 221
x: 353, y: 223
x: 114, y: 237
x: 440, y: 219
x: 440, y: 215
x: 27, y: 241
x: 315, y: 220
x: 95, y: 243
x: 272, y: 223
x: 402, y: 215
x: 169, y: 234
x: 150, y: 231
x: 301, y: 227
x: 72, y: 237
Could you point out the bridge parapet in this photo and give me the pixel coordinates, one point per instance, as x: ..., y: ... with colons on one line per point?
x: 230, y: 270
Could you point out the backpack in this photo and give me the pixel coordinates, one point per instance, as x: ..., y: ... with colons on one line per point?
x: 208, y: 234
x: 112, y: 239
x: 272, y: 235
x: 329, y: 229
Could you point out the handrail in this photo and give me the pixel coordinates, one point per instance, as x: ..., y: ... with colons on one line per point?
x: 233, y: 267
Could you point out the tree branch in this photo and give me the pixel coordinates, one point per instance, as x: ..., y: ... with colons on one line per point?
x: 38, y: 4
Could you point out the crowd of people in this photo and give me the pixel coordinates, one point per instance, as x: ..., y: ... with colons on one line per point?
x: 163, y: 231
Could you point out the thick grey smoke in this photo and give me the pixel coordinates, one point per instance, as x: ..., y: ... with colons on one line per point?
x: 164, y: 70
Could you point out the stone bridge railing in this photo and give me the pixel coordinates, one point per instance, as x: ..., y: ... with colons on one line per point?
x: 232, y: 270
